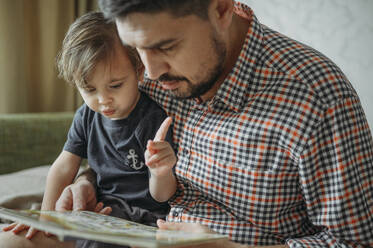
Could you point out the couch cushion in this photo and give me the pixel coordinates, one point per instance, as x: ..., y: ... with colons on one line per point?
x: 31, y: 139
x: 23, y: 189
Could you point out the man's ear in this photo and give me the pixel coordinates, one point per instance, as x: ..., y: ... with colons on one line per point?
x: 221, y: 13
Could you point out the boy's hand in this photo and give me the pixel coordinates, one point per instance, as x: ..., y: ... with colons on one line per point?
x: 17, y: 228
x: 159, y: 155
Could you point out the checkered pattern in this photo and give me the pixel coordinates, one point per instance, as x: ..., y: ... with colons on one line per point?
x: 282, y: 153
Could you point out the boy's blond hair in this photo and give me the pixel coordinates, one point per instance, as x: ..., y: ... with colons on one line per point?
x: 89, y: 40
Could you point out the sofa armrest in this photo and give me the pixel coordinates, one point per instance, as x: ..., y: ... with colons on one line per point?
x: 32, y: 139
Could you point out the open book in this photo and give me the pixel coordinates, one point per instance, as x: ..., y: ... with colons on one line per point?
x: 104, y: 228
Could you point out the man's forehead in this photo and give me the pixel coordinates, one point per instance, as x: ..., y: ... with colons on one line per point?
x: 147, y: 30
x: 145, y: 21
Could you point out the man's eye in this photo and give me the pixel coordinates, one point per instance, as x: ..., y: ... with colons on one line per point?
x: 166, y: 49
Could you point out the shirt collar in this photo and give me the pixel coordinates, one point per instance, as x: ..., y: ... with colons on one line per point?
x: 238, y: 84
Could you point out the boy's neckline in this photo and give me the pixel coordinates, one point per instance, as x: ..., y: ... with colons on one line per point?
x: 121, y: 122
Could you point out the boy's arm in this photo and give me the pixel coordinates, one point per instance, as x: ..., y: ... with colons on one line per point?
x: 61, y: 174
x: 162, y: 188
x: 160, y: 159
x: 162, y: 181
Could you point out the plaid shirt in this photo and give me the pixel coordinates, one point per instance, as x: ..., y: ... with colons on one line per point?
x: 282, y: 153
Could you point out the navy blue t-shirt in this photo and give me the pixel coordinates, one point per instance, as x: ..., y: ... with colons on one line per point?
x: 115, y: 151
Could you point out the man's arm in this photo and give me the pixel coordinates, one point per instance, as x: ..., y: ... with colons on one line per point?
x: 336, y: 171
x: 81, y: 195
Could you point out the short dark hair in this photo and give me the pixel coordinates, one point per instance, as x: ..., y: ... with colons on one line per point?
x: 120, y: 8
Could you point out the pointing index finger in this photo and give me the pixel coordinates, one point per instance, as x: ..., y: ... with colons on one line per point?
x: 163, y: 129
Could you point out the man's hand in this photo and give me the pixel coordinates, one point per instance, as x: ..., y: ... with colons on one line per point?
x: 195, y: 228
x: 198, y: 228
x: 181, y: 226
x: 80, y: 195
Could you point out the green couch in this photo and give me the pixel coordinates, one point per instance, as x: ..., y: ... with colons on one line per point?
x: 32, y: 139
x: 29, y: 143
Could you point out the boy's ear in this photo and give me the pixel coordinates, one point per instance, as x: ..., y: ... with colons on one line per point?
x: 140, y: 72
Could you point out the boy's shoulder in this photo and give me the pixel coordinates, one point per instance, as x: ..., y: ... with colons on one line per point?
x: 151, y: 116
x: 149, y: 108
x: 84, y: 113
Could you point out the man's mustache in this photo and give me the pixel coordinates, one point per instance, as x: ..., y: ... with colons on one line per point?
x: 168, y: 78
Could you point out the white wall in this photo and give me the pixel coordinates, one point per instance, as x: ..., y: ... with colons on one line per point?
x: 340, y: 29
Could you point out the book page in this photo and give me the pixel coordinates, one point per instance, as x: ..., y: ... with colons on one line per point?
x: 94, y: 226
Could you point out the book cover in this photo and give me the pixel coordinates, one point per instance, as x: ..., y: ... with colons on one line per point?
x: 104, y: 228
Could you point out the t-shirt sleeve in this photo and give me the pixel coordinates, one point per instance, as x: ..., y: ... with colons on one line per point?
x: 149, y: 127
x: 77, y: 139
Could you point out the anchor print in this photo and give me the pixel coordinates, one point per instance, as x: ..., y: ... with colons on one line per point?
x: 132, y: 156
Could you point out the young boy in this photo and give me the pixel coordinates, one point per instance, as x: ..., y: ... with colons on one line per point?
x: 112, y: 128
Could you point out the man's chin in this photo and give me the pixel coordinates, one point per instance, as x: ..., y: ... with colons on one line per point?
x: 179, y: 95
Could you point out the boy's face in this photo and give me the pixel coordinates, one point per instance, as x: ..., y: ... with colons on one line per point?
x: 112, y: 87
x: 186, y: 55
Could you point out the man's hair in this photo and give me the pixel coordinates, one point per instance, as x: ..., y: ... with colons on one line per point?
x: 89, y: 40
x: 178, y: 8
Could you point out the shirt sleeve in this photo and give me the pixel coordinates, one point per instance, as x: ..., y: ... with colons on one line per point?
x: 336, y: 176
x: 76, y: 139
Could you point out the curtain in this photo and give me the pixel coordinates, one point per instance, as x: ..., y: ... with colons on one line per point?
x: 31, y: 34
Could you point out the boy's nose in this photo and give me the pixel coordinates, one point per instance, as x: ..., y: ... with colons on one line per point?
x: 104, y: 98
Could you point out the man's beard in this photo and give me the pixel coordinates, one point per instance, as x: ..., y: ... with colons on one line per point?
x: 199, y: 89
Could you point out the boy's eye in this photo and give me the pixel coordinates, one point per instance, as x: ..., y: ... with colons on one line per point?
x: 116, y: 86
x: 89, y: 90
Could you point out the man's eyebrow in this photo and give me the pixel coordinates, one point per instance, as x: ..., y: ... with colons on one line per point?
x: 159, y: 44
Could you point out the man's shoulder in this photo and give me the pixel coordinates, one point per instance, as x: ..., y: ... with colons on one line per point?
x: 305, y: 65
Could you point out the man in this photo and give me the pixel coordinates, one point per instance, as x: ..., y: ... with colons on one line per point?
x: 273, y: 146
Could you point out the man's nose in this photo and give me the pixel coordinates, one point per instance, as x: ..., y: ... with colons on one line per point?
x: 155, y: 64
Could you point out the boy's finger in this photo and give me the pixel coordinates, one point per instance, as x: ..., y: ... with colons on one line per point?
x: 149, y: 147
x: 10, y: 227
x: 163, y: 129
x: 157, y: 145
x: 153, y: 160
x: 99, y: 207
x: 48, y: 234
x: 31, y: 233
x: 19, y: 228
x: 106, y: 210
